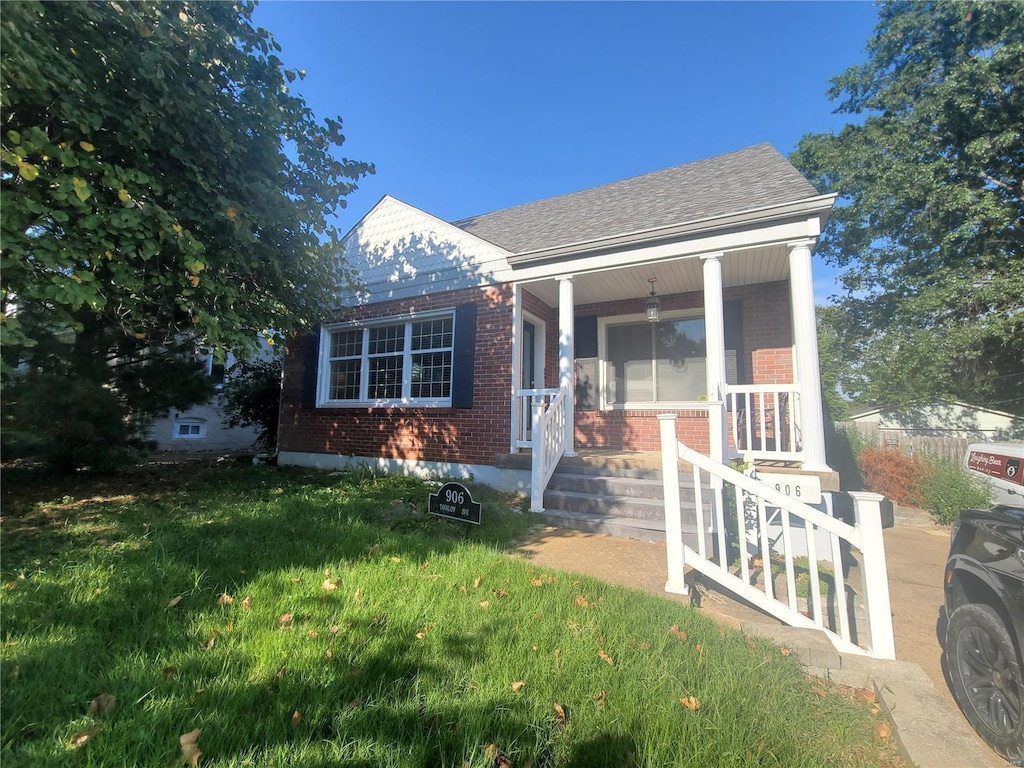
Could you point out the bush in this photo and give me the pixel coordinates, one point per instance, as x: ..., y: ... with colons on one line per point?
x: 252, y: 398
x: 948, y: 489
x: 894, y: 475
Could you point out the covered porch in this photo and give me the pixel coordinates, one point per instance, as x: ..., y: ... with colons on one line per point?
x: 716, y: 325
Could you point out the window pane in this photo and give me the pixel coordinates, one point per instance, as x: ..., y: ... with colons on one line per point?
x: 385, y: 382
x: 345, y: 379
x: 432, y: 375
x: 347, y: 343
x: 432, y: 334
x: 630, y: 371
x: 680, y: 355
x: 388, y: 338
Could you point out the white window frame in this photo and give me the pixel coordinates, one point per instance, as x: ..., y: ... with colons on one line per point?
x: 178, y: 423
x: 323, y: 388
x: 603, y: 324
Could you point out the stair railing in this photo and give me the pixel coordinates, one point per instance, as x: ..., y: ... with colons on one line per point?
x: 754, y: 533
x: 548, y: 442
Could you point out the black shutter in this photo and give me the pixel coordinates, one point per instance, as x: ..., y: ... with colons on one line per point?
x: 733, y: 318
x: 464, y: 356
x: 586, y: 336
x: 310, y: 360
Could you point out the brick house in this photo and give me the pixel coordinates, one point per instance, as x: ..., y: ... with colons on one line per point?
x: 584, y: 316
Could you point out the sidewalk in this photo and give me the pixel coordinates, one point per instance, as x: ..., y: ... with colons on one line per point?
x: 931, y: 729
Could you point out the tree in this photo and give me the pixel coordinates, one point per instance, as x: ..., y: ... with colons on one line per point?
x: 930, y: 223
x: 161, y: 186
x: 252, y: 398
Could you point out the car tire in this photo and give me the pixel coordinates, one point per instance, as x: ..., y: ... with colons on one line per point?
x: 986, y: 676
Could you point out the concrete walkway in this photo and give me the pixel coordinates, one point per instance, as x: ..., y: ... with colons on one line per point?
x: 932, y: 731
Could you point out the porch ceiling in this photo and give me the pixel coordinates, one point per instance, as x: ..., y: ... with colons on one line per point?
x: 758, y: 265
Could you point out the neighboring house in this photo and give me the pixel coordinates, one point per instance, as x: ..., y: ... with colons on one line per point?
x: 684, y: 291
x: 201, y: 427
x: 944, y: 419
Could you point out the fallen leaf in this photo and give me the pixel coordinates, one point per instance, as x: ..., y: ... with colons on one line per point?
x: 785, y: 651
x: 208, y: 644
x: 395, y: 559
x: 605, y: 657
x: 581, y: 601
x: 690, y: 702
x: 558, y: 652
x: 875, y: 709
x: 559, y: 711
x: 334, y: 629
x: 884, y: 730
x: 820, y: 691
x: 328, y: 653
x: 189, y: 748
x: 296, y: 718
x: 537, y: 582
x: 602, y: 698
x: 247, y: 603
x: 280, y: 673
x: 229, y: 626
x: 536, y: 648
x: 225, y: 599
x: 865, y: 695
x: 200, y: 691
x: 421, y: 634
x: 284, y: 619
x: 330, y: 586
x: 463, y: 590
x: 680, y: 633
x: 313, y: 634
x: 499, y: 592
x: 518, y: 685
x: 700, y: 649
x: 296, y: 580
x: 82, y: 738
x: 357, y: 594
x: 102, y: 705
x: 485, y: 604
x: 476, y: 583
x: 174, y: 601
x: 491, y: 751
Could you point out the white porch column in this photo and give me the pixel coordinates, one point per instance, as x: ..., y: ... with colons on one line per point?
x: 714, y: 331
x: 517, y: 342
x: 805, y: 341
x: 567, y: 359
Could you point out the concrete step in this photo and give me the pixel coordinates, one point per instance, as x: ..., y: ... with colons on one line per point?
x: 615, y: 485
x: 621, y: 506
x: 615, y: 525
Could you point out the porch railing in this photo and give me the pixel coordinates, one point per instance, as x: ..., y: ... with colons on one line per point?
x: 548, y: 443
x: 764, y: 420
x: 525, y: 400
x: 749, y: 536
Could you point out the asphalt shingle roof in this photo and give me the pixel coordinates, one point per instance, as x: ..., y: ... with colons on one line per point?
x: 751, y: 178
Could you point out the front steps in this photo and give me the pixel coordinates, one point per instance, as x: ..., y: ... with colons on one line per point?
x: 619, y: 498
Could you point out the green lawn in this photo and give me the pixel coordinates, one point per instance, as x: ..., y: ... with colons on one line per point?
x: 306, y: 619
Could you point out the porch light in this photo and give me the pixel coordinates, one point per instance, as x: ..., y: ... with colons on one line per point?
x: 653, y: 305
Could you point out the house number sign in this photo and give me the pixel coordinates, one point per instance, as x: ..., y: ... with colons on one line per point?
x: 805, y: 488
x: 454, y: 501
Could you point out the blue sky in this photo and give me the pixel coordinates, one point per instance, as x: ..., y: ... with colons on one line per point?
x: 466, y: 108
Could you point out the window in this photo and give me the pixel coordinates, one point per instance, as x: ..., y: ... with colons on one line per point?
x: 391, y: 362
x: 656, y: 362
x: 189, y: 430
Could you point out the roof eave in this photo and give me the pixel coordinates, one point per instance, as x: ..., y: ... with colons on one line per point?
x: 819, y: 206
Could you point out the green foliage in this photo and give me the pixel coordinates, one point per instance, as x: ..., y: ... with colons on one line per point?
x: 251, y: 397
x: 929, y: 224
x: 948, y: 490
x: 160, y: 185
x: 832, y: 362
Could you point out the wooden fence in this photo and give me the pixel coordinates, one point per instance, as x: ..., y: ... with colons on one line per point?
x: 947, y: 448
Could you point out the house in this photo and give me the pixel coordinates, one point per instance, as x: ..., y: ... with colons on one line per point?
x: 201, y: 427
x: 585, y: 316
x: 944, y: 419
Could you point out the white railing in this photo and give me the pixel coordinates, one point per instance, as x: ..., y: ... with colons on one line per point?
x: 525, y: 400
x: 764, y: 420
x: 755, y: 532
x: 548, y: 443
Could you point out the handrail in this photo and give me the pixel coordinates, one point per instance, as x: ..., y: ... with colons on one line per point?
x: 548, y: 441
x: 525, y: 399
x: 748, y: 540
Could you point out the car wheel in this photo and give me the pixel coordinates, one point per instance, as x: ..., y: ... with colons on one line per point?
x: 986, y: 677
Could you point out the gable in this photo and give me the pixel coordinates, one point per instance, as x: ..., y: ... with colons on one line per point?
x: 399, y: 251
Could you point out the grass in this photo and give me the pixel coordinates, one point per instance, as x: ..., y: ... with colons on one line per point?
x: 307, y: 619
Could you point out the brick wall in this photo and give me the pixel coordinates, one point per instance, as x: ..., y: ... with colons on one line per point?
x: 470, y: 436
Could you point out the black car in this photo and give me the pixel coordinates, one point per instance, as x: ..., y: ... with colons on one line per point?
x: 985, y: 631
